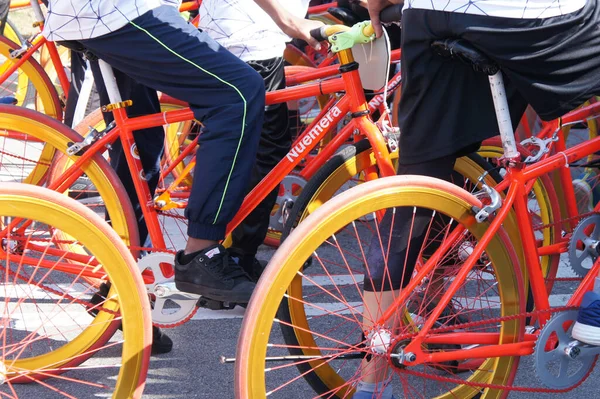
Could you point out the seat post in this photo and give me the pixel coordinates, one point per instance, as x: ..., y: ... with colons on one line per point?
x: 507, y: 133
x: 37, y: 11
x: 110, y: 82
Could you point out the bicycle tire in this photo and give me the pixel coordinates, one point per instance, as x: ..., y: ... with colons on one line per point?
x: 49, y: 132
x: 27, y: 357
x: 329, y: 220
x: 334, y: 175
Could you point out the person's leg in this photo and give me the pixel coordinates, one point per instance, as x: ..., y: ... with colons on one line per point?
x: 160, y: 50
x: 78, y: 67
x: 275, y: 142
x: 79, y: 71
x: 4, y: 8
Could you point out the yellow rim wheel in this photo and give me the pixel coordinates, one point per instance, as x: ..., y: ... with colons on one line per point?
x: 340, y: 178
x: 70, y: 335
x: 319, y: 229
x: 30, y: 86
x: 34, y: 88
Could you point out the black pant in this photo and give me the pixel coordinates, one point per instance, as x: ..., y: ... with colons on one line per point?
x: 275, y: 142
x: 403, y: 253
x: 161, y: 51
x: 78, y: 69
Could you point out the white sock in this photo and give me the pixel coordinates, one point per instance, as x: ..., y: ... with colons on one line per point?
x: 382, y: 390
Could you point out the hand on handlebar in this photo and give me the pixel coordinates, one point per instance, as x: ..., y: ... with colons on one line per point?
x: 300, y: 28
x: 375, y: 7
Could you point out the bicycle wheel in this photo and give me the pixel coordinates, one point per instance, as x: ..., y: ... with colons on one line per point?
x: 343, y: 235
x: 51, y: 322
x: 348, y: 168
x: 584, y: 172
x: 29, y: 84
x: 29, y: 134
x: 345, y: 170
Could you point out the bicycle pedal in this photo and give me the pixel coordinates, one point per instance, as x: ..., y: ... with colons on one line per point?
x: 214, y: 305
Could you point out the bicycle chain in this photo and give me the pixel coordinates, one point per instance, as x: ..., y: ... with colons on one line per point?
x: 8, y: 154
x: 461, y: 326
x: 566, y: 220
x: 150, y: 249
x: 494, y: 386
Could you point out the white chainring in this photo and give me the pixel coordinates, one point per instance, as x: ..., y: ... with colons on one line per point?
x: 171, y: 307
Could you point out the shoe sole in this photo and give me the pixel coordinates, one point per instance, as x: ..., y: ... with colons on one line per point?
x: 210, y: 293
x: 587, y: 334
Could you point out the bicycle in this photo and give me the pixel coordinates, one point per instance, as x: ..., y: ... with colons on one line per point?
x: 461, y: 324
x: 76, y: 156
x: 57, y: 334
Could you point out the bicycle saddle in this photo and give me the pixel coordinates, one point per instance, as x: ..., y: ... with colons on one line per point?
x: 467, y: 53
x: 74, y: 45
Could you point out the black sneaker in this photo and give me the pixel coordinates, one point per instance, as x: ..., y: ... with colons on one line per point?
x: 214, y: 275
x: 161, y: 343
x: 252, y: 266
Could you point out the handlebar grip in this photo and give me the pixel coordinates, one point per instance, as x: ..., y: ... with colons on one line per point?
x: 391, y: 14
x: 319, y: 34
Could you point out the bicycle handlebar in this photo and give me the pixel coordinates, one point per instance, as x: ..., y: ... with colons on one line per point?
x: 389, y: 14
x: 324, y: 32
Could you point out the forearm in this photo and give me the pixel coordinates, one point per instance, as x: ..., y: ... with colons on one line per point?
x: 276, y: 11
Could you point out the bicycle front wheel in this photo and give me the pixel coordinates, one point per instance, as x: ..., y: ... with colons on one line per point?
x: 52, y: 320
x: 348, y: 239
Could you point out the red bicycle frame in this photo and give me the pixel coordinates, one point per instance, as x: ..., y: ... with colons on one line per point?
x: 353, y: 102
x: 516, y: 181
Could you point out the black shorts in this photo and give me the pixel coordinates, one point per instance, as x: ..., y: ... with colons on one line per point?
x: 552, y: 64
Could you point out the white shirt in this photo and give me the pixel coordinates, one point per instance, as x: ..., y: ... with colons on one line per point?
x: 530, y: 9
x: 243, y: 28
x: 86, y: 19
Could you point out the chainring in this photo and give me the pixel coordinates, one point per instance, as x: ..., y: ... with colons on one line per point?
x: 285, y: 201
x: 170, y: 308
x: 582, y: 260
x: 553, y: 366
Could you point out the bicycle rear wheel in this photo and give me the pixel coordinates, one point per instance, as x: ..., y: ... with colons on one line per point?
x: 342, y: 236
x: 52, y: 323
